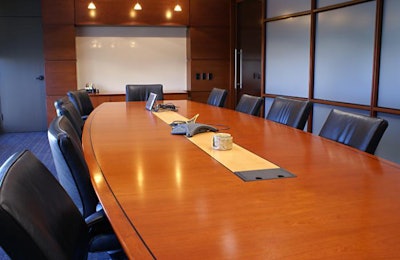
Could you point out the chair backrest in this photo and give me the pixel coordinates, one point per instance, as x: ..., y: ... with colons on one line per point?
x: 64, y: 107
x: 217, y: 97
x: 249, y: 104
x: 141, y: 92
x: 71, y: 167
x: 358, y: 131
x: 289, y: 112
x: 38, y: 220
x: 59, y: 102
x: 81, y: 100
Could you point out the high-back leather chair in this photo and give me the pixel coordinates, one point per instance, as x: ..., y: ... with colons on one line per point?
x: 141, y: 92
x: 81, y: 100
x: 64, y: 107
x: 249, y: 104
x: 38, y: 220
x: 217, y: 97
x: 73, y: 174
x: 355, y: 130
x: 71, y: 167
x: 290, y: 112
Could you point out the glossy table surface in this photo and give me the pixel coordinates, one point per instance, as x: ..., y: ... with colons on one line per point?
x: 168, y: 199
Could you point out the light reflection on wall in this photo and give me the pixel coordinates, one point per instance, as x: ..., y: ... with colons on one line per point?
x: 92, y: 13
x: 133, y: 13
x: 168, y: 14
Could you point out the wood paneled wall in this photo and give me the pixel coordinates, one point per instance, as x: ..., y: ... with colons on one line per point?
x: 209, y: 39
x: 59, y: 50
x: 154, y: 12
x: 209, y: 48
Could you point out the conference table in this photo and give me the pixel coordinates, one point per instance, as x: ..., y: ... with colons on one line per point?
x: 167, y: 198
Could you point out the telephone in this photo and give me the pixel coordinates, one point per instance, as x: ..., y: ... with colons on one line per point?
x: 170, y: 107
x: 191, y: 129
x: 178, y: 122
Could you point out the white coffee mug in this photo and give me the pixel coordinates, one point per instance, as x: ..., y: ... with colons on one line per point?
x: 222, y: 141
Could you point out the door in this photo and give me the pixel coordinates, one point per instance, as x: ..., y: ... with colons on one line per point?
x: 248, y: 48
x: 22, y: 89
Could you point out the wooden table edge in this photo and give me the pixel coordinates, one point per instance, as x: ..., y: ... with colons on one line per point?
x: 132, y: 243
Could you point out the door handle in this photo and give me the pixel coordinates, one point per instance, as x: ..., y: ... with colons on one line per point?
x: 41, y: 77
x: 240, y: 84
x: 236, y: 70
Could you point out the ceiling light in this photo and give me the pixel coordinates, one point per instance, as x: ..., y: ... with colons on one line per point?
x: 137, y: 6
x: 91, y: 6
x: 178, y: 8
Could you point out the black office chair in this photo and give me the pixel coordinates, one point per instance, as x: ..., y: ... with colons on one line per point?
x: 71, y: 167
x: 217, y: 97
x: 355, y: 130
x: 73, y: 173
x: 290, y: 112
x: 249, y: 104
x: 81, y: 100
x: 38, y: 220
x: 142, y: 92
x: 64, y: 107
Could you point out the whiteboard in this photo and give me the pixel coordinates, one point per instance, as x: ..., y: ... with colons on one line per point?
x: 112, y: 57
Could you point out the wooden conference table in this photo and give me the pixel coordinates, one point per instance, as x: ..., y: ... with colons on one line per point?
x: 168, y: 199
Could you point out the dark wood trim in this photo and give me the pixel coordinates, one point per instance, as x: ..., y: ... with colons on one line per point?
x: 263, y: 47
x: 386, y: 110
x: 341, y: 104
x: 341, y: 5
x: 292, y: 97
x: 314, y: 9
x: 263, y: 53
x: 231, y: 100
x: 377, y: 56
x: 286, y: 16
x: 312, y: 63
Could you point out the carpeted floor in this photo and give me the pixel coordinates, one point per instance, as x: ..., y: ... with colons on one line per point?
x: 38, y: 144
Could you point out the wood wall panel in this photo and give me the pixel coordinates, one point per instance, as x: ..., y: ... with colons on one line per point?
x: 120, y: 12
x: 59, y: 42
x: 219, y: 70
x: 60, y: 77
x: 51, y: 110
x: 98, y: 99
x: 210, y: 48
x: 59, y: 50
x: 209, y: 43
x: 58, y: 12
x: 212, y: 13
x: 199, y: 96
x: 202, y: 96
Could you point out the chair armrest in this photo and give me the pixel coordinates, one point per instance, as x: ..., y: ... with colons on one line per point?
x: 98, y: 223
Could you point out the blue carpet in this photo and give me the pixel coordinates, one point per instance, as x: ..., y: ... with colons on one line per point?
x: 38, y: 144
